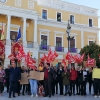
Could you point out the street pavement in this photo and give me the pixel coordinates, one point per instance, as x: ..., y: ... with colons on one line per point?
x: 56, y: 97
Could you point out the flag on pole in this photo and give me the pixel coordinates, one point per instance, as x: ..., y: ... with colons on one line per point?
x: 2, y: 32
x: 18, y: 35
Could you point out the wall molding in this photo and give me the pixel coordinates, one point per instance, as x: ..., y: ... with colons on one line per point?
x: 18, y: 12
x: 63, y: 25
x: 69, y: 7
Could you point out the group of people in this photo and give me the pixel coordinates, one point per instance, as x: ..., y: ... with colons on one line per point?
x: 67, y: 81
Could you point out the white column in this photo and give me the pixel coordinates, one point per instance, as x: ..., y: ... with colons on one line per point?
x: 24, y: 33
x: 82, y: 39
x: 35, y: 34
x: 8, y: 42
x: 35, y: 30
x: 8, y: 27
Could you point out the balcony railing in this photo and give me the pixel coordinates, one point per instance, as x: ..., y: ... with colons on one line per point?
x: 73, y: 50
x: 44, y: 47
x: 59, y: 49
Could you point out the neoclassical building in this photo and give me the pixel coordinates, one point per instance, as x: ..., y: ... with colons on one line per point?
x: 44, y: 23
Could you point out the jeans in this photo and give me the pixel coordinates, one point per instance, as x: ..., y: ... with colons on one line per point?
x: 67, y: 89
x: 33, y: 86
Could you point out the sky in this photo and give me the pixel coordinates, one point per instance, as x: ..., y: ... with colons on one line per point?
x: 89, y: 3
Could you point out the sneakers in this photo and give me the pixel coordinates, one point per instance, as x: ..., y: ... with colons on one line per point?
x: 95, y: 96
x: 32, y: 95
x: 36, y: 95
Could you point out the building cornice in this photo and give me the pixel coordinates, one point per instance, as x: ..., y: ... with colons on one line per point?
x: 63, y: 25
x: 18, y: 12
x: 69, y: 7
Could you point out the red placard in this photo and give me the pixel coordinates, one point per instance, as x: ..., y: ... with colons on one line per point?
x: 2, y: 49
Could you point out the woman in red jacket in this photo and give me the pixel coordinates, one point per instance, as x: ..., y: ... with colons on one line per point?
x: 73, y: 77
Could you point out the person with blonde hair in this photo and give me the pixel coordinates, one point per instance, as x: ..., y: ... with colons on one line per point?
x: 2, y: 76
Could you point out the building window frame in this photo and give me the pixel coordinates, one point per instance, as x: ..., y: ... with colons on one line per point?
x: 30, y: 1
x: 58, y: 34
x: 42, y: 14
x: 70, y: 19
x: 61, y: 41
x: 89, y: 22
x: 61, y: 16
x: 91, y: 38
x: 75, y: 42
x: 45, y: 34
x: 18, y: 3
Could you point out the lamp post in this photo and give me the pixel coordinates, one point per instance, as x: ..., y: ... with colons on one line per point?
x: 68, y: 34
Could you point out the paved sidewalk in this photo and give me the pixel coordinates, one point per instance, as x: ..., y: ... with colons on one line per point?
x: 56, y: 97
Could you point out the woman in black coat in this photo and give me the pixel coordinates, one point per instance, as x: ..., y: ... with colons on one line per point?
x: 90, y: 79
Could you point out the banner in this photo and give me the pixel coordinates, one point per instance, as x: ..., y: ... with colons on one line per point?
x: 15, y: 47
x: 36, y: 75
x: 2, y: 49
x: 85, y: 64
x: 24, y: 78
x: 96, y: 73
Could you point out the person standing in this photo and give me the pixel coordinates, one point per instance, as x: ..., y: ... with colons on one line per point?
x: 77, y: 82
x: 59, y: 78
x: 15, y: 77
x: 73, y: 77
x: 83, y: 79
x: 90, y: 79
x: 23, y: 86
x: 48, y: 79
x: 7, y: 71
x: 66, y: 81
x: 2, y: 76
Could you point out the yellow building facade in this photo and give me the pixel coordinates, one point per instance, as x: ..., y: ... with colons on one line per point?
x: 44, y: 23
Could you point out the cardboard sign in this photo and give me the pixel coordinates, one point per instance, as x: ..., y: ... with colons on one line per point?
x: 24, y: 78
x: 96, y: 73
x: 36, y: 75
x: 85, y: 64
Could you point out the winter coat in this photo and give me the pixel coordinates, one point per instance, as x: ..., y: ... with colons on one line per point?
x: 73, y: 75
x: 2, y: 75
x: 66, y: 78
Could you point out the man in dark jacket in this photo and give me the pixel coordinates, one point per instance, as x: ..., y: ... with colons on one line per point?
x: 7, y: 71
x: 15, y: 77
x: 48, y: 78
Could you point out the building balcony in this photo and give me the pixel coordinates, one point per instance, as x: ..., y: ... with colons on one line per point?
x: 44, y: 47
x: 73, y: 50
x: 59, y: 49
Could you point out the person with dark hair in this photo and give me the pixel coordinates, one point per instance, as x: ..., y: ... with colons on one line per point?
x: 23, y: 86
x: 59, y: 78
x: 73, y: 77
x: 2, y: 76
x: 7, y: 71
x: 55, y: 81
x: 90, y: 79
x: 15, y: 77
x: 66, y: 81
x: 48, y: 78
x: 77, y: 82
x: 83, y: 79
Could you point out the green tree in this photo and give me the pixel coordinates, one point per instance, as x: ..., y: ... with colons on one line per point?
x: 93, y: 50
